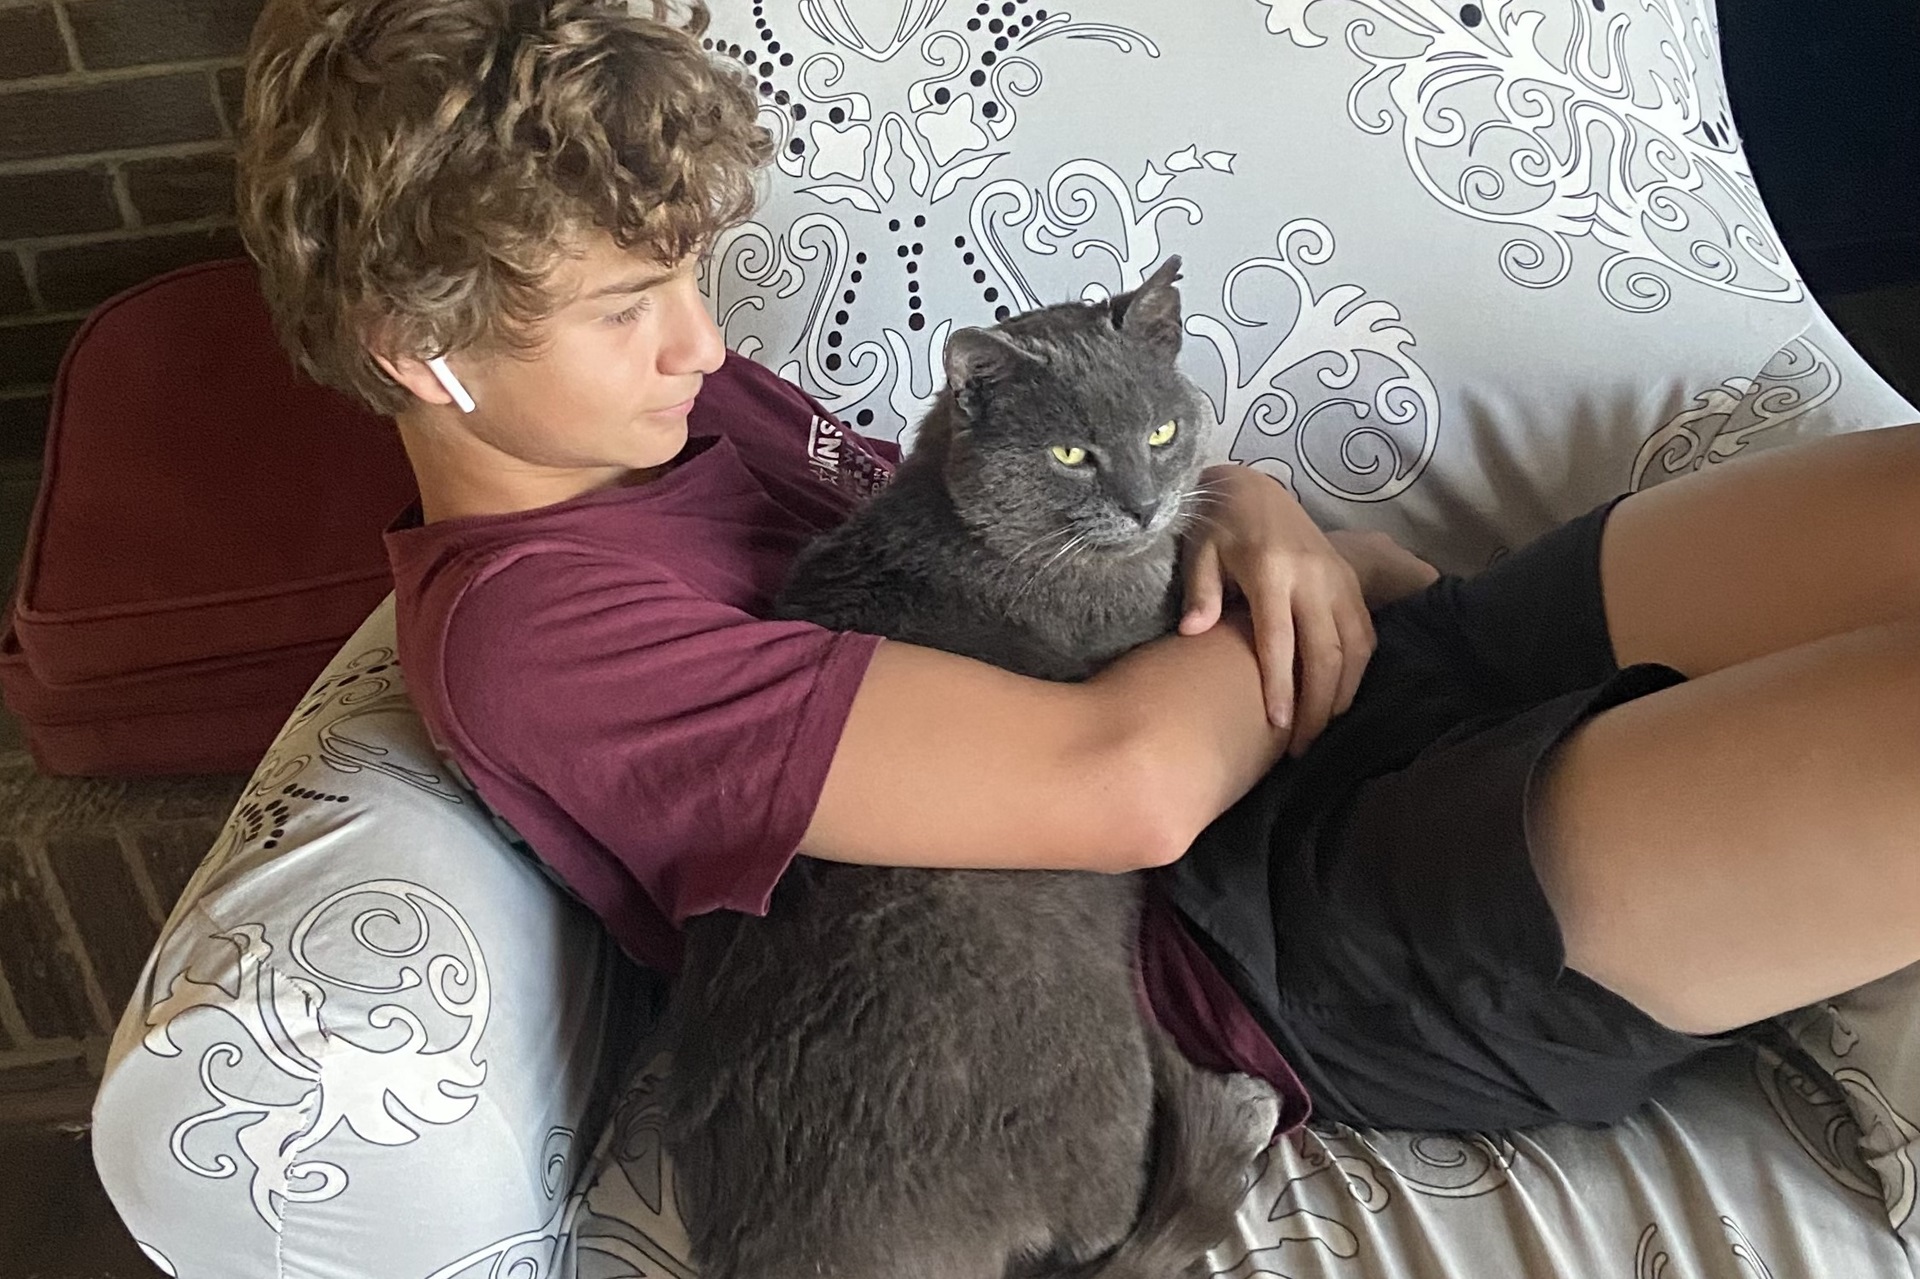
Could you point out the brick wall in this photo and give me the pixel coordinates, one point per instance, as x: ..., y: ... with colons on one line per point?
x: 116, y: 145
x: 89, y: 868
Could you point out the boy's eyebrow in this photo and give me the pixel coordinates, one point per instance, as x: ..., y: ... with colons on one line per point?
x: 639, y: 284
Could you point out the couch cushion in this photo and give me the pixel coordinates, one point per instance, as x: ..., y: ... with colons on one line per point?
x: 1866, y: 1044
x: 207, y: 533
x: 372, y: 1037
x: 1375, y: 322
x: 213, y: 716
x: 200, y: 498
x: 1453, y: 271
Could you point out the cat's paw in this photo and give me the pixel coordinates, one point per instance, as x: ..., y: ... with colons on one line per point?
x: 1258, y: 1106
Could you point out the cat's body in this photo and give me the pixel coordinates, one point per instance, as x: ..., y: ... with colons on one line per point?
x: 949, y: 1074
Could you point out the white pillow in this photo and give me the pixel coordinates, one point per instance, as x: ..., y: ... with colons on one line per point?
x: 1867, y: 1042
x: 1454, y: 271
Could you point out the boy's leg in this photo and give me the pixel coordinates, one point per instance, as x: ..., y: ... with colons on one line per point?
x: 1766, y: 553
x: 1747, y: 842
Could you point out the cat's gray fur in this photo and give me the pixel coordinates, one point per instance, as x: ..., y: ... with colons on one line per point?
x: 947, y: 1074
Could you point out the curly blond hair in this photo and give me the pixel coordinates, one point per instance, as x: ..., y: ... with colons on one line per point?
x: 422, y: 168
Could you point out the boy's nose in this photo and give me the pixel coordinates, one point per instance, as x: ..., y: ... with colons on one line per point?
x: 694, y: 343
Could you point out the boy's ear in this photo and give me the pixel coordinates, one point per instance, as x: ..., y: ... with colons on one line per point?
x: 410, y: 372
x: 414, y: 376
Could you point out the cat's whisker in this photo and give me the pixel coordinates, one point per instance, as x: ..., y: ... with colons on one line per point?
x: 1062, y: 531
x: 1194, y: 497
x: 1075, y: 540
x: 1201, y: 496
x: 1191, y: 519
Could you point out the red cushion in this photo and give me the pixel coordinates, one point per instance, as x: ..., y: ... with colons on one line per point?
x: 201, y: 503
x: 207, y: 717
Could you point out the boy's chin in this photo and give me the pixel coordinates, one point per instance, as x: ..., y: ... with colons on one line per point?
x: 660, y: 443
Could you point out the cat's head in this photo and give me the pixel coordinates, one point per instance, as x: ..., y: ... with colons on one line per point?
x: 1072, y: 426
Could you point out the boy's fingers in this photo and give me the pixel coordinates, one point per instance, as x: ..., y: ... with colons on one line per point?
x: 1273, y: 638
x: 1204, y: 589
x: 1356, y: 647
x: 1322, y: 666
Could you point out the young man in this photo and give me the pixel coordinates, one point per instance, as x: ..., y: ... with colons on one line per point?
x: 1464, y: 895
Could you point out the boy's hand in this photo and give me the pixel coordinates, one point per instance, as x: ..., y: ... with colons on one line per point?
x: 1312, y: 634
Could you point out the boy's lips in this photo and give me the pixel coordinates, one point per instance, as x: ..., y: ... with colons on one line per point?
x: 681, y: 409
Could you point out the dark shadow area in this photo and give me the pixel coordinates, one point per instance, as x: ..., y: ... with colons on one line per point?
x: 55, y: 1220
x: 1827, y: 101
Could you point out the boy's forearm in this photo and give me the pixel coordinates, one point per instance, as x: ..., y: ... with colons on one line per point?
x: 1190, y: 723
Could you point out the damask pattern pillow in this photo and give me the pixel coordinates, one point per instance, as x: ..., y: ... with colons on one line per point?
x: 1865, y: 1045
x: 1454, y: 271
x: 373, y: 1037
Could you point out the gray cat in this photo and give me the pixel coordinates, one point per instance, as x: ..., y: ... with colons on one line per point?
x: 948, y: 1074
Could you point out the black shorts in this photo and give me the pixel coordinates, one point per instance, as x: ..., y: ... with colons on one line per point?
x: 1375, y: 902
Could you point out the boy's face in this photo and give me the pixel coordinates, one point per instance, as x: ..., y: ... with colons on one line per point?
x: 607, y: 389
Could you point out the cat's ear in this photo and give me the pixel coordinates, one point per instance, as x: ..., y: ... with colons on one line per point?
x: 1152, y: 311
x: 975, y: 356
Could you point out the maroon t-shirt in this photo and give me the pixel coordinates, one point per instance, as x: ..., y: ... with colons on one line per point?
x: 603, y: 672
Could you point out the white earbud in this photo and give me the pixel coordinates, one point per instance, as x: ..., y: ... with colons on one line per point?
x: 449, y: 383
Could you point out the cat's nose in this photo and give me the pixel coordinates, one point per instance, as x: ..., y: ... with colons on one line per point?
x: 1144, y: 509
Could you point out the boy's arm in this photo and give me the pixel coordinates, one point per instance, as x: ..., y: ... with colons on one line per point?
x: 949, y: 762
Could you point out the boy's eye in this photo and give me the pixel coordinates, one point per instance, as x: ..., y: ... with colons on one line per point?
x: 632, y: 313
x: 1067, y: 455
x: 1163, y: 434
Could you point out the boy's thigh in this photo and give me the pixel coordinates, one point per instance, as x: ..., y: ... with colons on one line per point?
x: 1765, y: 553
x: 1743, y: 843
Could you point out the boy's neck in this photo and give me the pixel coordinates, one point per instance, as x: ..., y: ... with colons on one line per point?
x: 459, y: 474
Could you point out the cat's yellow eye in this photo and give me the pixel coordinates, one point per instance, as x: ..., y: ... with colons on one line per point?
x: 1163, y: 434
x: 1068, y: 455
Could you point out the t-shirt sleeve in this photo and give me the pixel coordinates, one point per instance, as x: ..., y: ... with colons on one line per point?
x: 687, y: 737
